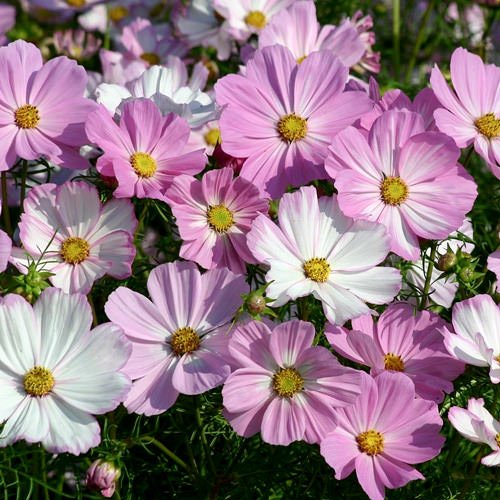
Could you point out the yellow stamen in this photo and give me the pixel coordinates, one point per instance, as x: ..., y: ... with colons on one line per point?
x: 212, y: 137
x: 256, y: 18
x: 220, y: 218
x: 151, y: 58
x: 287, y: 382
x: 497, y: 439
x: 185, y: 340
x: 74, y: 250
x: 38, y: 381
x: 317, y: 269
x: 27, y: 116
x: 143, y: 164
x: 393, y: 191
x: 488, y: 125
x: 301, y: 59
x: 393, y: 362
x: 118, y: 13
x: 76, y: 3
x: 371, y: 442
x: 292, y: 127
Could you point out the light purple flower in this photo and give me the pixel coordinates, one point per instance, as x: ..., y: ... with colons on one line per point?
x: 7, y: 20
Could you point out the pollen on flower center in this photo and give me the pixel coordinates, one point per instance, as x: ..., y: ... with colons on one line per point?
x: 488, y: 125
x: 292, y: 127
x: 317, y: 269
x: 497, y: 439
x: 301, y: 59
x: 151, y: 58
x: 185, y: 340
x: 74, y: 250
x: 143, y: 164
x: 76, y: 3
x: 117, y: 13
x: 393, y: 191
x: 220, y: 218
x: 38, y: 381
x: 287, y: 382
x: 393, y: 362
x: 27, y: 116
x: 256, y: 18
x: 371, y: 442
x: 212, y: 137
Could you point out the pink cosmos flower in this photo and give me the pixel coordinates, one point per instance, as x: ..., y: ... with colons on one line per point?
x: 318, y: 250
x: 214, y: 216
x: 77, y: 44
x: 477, y: 424
x: 5, y: 247
x: 472, y: 113
x: 403, y: 342
x: 56, y: 372
x: 7, y: 21
x: 64, y: 5
x: 282, y: 116
x: 476, y: 322
x: 42, y: 108
x: 298, y: 29
x: 146, y: 151
x: 102, y: 476
x: 370, y: 60
x: 75, y: 236
x: 402, y: 177
x: 179, y: 337
x: 385, y: 430
x: 283, y: 386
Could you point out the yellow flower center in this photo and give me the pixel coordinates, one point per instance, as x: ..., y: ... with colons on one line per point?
x: 393, y: 191
x: 143, y: 164
x: 74, y: 250
x: 488, y: 125
x: 76, y: 3
x: 393, y: 362
x: 371, y: 442
x: 220, y: 218
x: 185, y: 340
x: 292, y: 127
x: 256, y: 18
x: 151, y: 58
x: 212, y: 137
x: 38, y: 381
x: 317, y: 269
x: 301, y: 59
x: 117, y: 13
x: 27, y: 116
x: 287, y: 382
x: 497, y: 439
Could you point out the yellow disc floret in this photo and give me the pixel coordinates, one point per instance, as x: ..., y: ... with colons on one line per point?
x: 212, y: 137
x: 38, y: 381
x: 118, y: 13
x: 317, y: 269
x: 220, y: 218
x: 393, y: 191
x: 151, y: 58
x: 256, y: 18
x: 301, y: 59
x: 27, y: 116
x: 76, y: 3
x: 292, y: 127
x: 371, y: 442
x: 393, y: 362
x: 74, y: 250
x: 497, y: 439
x: 287, y: 382
x: 488, y: 125
x: 185, y: 340
x: 143, y: 164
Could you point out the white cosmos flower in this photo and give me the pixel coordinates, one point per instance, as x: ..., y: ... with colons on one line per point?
x: 318, y: 250
x: 55, y: 372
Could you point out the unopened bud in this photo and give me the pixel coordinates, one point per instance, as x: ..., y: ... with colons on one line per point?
x: 447, y: 261
x: 256, y: 303
x: 102, y: 476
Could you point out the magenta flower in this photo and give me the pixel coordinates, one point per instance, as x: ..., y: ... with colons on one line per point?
x: 403, y: 177
x: 75, y: 236
x: 179, y: 337
x: 404, y: 342
x: 42, y: 108
x: 385, y: 430
x: 371, y: 59
x: 102, y: 476
x: 472, y: 113
x: 282, y: 116
x: 146, y: 151
x: 214, y: 216
x: 283, y: 386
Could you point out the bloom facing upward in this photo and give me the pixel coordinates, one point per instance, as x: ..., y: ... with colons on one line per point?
x: 403, y: 177
x: 283, y: 386
x: 214, y: 216
x: 42, y: 108
x: 381, y: 433
x: 316, y: 249
x: 282, y: 116
x: 56, y: 372
x: 179, y: 337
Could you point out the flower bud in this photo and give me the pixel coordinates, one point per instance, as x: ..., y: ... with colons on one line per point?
x: 256, y: 303
x: 102, y: 476
x: 447, y: 262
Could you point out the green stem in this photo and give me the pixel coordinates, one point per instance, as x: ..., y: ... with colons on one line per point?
x: 166, y: 451
x: 487, y: 29
x: 468, y: 156
x: 396, y: 36
x: 203, y: 437
x: 467, y: 484
x: 95, y: 321
x: 44, y: 475
x: 24, y: 176
x: 5, y: 205
x: 455, y: 443
x: 428, y: 277
x: 419, y: 40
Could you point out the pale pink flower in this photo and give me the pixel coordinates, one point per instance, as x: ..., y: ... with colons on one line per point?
x: 7, y: 20
x: 102, y: 476
x: 370, y: 60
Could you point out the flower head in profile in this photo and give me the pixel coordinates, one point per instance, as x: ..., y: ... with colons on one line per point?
x: 179, y: 337
x: 283, y: 386
x: 56, y: 372
x: 318, y: 250
x: 384, y: 431
x: 214, y: 216
x: 75, y: 236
